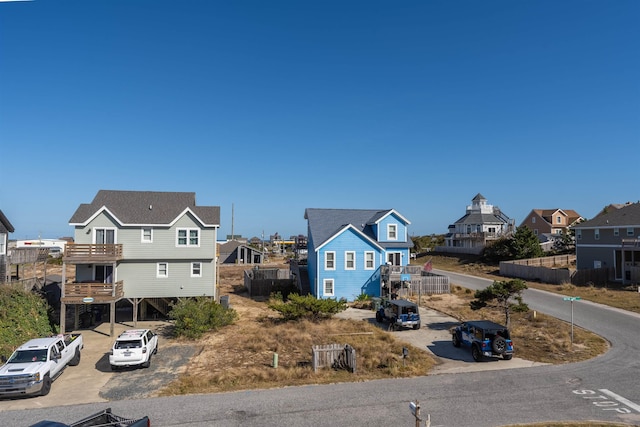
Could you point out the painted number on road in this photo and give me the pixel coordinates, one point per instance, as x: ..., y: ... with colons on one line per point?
x: 608, y: 400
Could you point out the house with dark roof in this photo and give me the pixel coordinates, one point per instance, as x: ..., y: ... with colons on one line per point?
x: 481, y: 224
x: 235, y: 252
x: 347, y: 248
x: 611, y: 240
x: 145, y: 248
x: 550, y: 224
x: 5, y: 229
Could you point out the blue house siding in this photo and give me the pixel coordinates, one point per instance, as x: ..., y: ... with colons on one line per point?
x: 383, y: 227
x: 348, y: 284
x: 357, y: 231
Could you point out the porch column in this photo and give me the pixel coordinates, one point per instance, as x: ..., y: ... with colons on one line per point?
x: 112, y: 316
x: 63, y: 318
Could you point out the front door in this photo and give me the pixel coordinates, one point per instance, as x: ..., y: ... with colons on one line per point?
x: 393, y: 258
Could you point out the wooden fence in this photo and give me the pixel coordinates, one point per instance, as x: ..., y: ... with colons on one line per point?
x: 428, y: 284
x: 262, y: 282
x: 333, y: 355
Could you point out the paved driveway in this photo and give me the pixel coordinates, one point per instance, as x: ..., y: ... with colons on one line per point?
x: 434, y: 337
x: 93, y: 381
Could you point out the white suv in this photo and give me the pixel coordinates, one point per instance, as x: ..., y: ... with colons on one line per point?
x: 133, y: 347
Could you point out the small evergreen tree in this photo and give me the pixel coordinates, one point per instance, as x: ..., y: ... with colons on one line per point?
x: 499, y: 295
x: 306, y: 307
x: 525, y: 244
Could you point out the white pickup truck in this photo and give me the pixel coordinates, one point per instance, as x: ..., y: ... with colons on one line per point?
x: 35, y: 364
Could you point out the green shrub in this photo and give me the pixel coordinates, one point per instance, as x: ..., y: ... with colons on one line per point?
x: 306, y: 307
x: 195, y: 316
x: 23, y: 315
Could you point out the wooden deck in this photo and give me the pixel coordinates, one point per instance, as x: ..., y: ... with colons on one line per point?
x: 102, y: 293
x: 79, y: 253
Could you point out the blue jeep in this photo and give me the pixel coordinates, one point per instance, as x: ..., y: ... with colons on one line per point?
x: 485, y: 338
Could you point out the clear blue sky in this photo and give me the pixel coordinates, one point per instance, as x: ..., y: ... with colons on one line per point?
x: 276, y: 106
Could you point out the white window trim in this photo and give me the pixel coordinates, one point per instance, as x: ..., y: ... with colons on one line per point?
x: 142, y: 239
x: 558, y: 219
x: 535, y: 231
x: 533, y: 220
x: 373, y: 260
x: 115, y: 234
x: 616, y: 231
x: 630, y: 231
x: 579, y: 234
x: 326, y: 260
x: 162, y: 276
x: 596, y: 234
x: 3, y: 244
x: 346, y: 259
x: 199, y: 269
x: 188, y: 244
x: 324, y: 287
x: 395, y: 229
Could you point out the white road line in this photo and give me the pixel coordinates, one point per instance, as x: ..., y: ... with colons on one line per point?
x: 620, y: 399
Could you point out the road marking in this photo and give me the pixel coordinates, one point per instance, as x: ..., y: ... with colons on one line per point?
x: 620, y: 399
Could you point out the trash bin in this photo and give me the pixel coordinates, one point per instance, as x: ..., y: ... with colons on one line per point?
x: 224, y: 301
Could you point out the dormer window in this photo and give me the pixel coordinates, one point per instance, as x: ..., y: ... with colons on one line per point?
x: 392, y: 232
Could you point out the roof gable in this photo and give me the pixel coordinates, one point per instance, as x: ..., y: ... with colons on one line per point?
x: 5, y: 225
x: 628, y: 215
x: 146, y: 208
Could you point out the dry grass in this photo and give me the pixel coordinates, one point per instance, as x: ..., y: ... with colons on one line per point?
x: 613, y: 294
x: 241, y: 356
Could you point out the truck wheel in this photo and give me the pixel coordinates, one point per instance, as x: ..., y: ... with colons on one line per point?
x: 378, y: 317
x: 475, y: 353
x: 46, y: 385
x: 147, y: 363
x: 76, y: 359
x: 416, y: 326
x: 114, y: 368
x: 507, y: 356
x: 455, y: 340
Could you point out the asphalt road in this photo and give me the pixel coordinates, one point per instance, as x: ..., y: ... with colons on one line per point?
x: 606, y: 389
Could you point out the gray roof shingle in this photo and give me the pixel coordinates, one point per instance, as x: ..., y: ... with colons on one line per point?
x: 146, y: 207
x: 628, y: 215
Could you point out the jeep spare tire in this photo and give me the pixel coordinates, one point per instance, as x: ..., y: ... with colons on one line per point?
x: 499, y: 345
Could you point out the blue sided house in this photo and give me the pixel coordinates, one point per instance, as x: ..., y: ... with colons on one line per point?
x: 348, y: 247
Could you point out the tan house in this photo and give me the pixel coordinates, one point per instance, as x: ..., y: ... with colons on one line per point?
x: 549, y: 224
x: 550, y: 221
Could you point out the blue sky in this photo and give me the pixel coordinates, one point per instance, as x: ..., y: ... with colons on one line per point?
x: 265, y: 108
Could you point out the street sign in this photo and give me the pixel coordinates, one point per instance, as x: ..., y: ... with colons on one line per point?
x: 571, y: 298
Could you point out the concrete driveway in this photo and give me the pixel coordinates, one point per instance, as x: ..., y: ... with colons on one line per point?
x: 83, y: 383
x: 434, y: 337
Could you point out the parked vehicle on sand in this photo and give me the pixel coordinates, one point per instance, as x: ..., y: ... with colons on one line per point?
x: 133, y: 347
x: 485, y: 338
x: 400, y: 313
x: 37, y: 363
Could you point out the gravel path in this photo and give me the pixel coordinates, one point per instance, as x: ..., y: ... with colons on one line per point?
x: 138, y: 383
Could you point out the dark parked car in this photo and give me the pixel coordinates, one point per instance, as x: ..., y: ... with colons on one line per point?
x: 103, y: 418
x: 400, y: 313
x: 485, y: 338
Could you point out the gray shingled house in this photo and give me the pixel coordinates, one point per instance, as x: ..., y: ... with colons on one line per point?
x: 611, y: 240
x: 144, y: 247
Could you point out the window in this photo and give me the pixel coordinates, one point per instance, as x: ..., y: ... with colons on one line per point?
x: 596, y: 234
x: 2, y: 244
x: 327, y: 285
x: 578, y: 234
x: 535, y: 231
x: 533, y: 220
x: 188, y: 237
x: 616, y: 231
x: 147, y: 235
x: 329, y: 260
x: 558, y: 231
x: 369, y: 263
x: 558, y: 220
x: 162, y: 269
x: 350, y: 260
x: 629, y: 231
x: 104, y: 236
x: 392, y: 232
x: 196, y: 269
